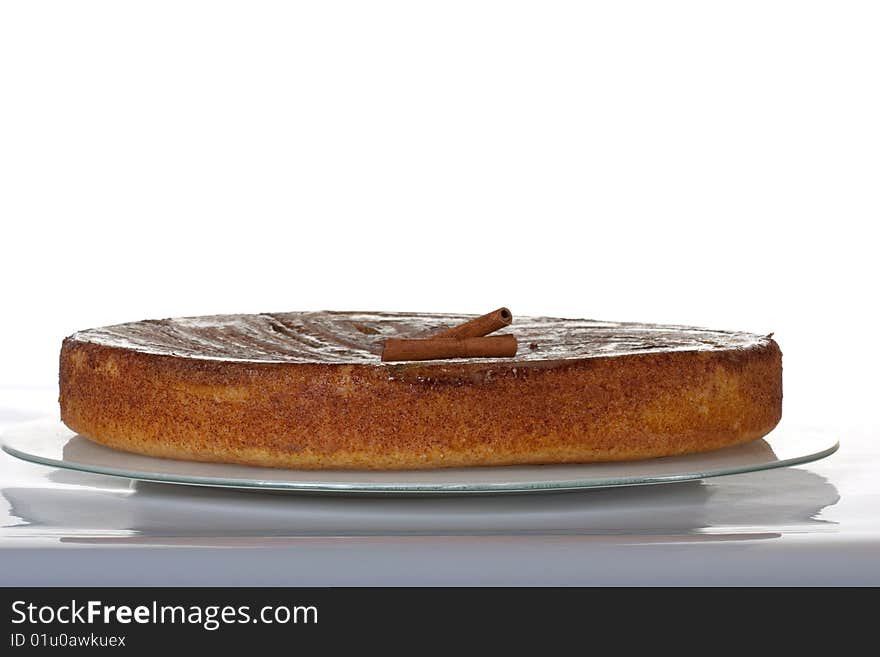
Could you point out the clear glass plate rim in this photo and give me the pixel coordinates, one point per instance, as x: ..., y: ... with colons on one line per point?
x: 409, y: 488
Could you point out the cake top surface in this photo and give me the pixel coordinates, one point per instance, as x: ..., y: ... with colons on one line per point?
x: 356, y: 337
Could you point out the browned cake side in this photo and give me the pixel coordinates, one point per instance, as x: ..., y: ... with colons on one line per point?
x: 307, y: 390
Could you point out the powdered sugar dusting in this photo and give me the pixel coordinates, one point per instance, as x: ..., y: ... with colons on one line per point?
x: 356, y: 337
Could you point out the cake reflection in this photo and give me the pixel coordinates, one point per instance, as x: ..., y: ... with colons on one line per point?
x: 755, y: 505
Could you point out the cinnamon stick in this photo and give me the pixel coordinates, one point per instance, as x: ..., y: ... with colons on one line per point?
x: 479, y: 326
x: 496, y: 346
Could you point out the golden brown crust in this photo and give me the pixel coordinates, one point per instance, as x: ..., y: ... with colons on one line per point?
x: 323, y: 415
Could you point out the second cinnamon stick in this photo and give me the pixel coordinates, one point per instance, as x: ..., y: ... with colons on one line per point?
x: 496, y: 346
x: 479, y: 326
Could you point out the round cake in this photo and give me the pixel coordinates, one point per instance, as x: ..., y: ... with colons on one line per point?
x: 309, y: 390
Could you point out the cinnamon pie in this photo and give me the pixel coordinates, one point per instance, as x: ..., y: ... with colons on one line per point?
x: 308, y: 390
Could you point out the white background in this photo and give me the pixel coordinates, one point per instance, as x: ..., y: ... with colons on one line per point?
x: 708, y: 163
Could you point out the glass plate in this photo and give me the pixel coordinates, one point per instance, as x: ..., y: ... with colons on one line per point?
x: 51, y: 443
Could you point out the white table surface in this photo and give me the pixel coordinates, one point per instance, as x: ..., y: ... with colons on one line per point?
x: 817, y: 524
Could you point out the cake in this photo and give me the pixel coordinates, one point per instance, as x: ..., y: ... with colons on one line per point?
x: 308, y: 390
